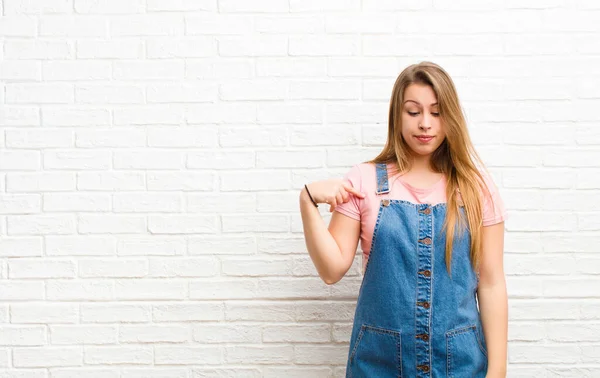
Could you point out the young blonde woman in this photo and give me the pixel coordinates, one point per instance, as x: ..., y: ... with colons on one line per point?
x: 433, y: 299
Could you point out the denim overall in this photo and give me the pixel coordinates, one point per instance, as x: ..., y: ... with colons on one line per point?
x: 413, y: 319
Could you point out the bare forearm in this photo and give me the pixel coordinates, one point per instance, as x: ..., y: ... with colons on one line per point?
x: 493, y: 304
x: 322, y: 248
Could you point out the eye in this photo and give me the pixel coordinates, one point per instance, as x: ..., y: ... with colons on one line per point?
x: 413, y: 114
x: 435, y: 114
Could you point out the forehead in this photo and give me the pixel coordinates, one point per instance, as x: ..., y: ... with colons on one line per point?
x: 420, y: 94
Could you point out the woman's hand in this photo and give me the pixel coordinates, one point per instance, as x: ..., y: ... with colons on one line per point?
x: 332, y: 192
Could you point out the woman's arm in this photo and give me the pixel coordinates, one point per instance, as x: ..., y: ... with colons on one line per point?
x: 332, y: 249
x: 493, y: 299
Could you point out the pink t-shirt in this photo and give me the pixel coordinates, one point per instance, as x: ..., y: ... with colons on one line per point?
x: 364, y: 178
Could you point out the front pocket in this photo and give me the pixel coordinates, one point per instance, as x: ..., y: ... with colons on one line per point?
x: 377, y: 353
x: 466, y: 356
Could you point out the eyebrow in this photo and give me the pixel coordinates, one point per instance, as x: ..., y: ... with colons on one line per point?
x: 418, y: 103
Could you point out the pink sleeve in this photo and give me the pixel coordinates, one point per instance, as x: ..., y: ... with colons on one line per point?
x: 352, y: 207
x: 493, y: 206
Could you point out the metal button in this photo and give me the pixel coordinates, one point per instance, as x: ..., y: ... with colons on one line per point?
x: 385, y: 202
x: 425, y: 368
x: 426, y: 241
x: 423, y: 304
x: 426, y: 273
x: 423, y: 336
x: 426, y: 211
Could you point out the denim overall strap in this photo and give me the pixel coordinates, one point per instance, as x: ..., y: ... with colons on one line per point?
x: 382, y: 179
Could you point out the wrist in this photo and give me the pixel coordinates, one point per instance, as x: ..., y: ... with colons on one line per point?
x: 304, y: 198
x: 310, y: 197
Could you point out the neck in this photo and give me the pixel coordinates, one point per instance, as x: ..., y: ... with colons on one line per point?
x: 421, y: 164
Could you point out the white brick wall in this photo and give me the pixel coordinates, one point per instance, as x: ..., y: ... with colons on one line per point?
x: 151, y: 153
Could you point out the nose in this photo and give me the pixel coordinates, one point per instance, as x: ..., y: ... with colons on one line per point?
x: 425, y: 122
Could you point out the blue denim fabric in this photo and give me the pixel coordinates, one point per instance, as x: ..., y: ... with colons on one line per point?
x: 414, y: 319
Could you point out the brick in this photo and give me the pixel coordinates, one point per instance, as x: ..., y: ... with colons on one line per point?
x: 40, y: 93
x: 36, y: 268
x: 20, y: 115
x: 255, y: 223
x: 225, y: 112
x: 153, y: 334
x: 153, y: 24
x: 109, y: 94
x: 37, y: 49
x: 223, y: 160
x: 185, y: 312
x: 39, y: 138
x: 324, y: 45
x: 17, y: 70
x: 187, y: 355
x: 108, y: 6
x: 21, y: 247
x: 75, y: 202
x: 148, y: 159
x: 319, y: 6
x: 114, y: 268
x: 220, y: 245
x: 147, y: 203
x: 185, y: 267
x: 148, y: 70
x: 119, y: 224
x: 21, y: 291
x: 63, y: 290
x: 182, y: 136
x: 248, y: 136
x: 36, y: 7
x: 52, y: 313
x: 188, y: 47
x: 168, y: 93
x: 110, y: 138
x: 41, y: 224
x: 66, y: 116
x: 47, y: 356
x: 297, y: 372
x: 109, y: 355
x: 76, y: 71
x: 253, y: 90
x: 79, y: 160
x: 18, y: 26
x: 244, y: 267
x: 151, y: 245
x: 20, y: 204
x: 185, y: 181
x: 291, y: 67
x: 86, y: 334
x: 73, y: 27
x: 319, y: 354
x: 218, y: 24
x: 264, y: 354
x: 181, y: 5
x: 182, y: 224
x: 313, y: 333
x: 111, y: 181
x: 209, y: 333
x: 264, y: 311
x: 110, y: 313
x: 23, y: 335
x: 253, y: 46
x: 122, y: 48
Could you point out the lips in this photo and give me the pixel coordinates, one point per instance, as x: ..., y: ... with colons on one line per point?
x: 424, y: 138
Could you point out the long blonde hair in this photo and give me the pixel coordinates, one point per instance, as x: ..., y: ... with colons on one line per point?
x: 455, y: 157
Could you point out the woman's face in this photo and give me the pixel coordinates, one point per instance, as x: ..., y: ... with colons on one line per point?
x: 422, y: 127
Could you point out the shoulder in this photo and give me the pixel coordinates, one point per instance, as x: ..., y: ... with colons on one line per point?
x: 361, y: 171
x: 490, y: 187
